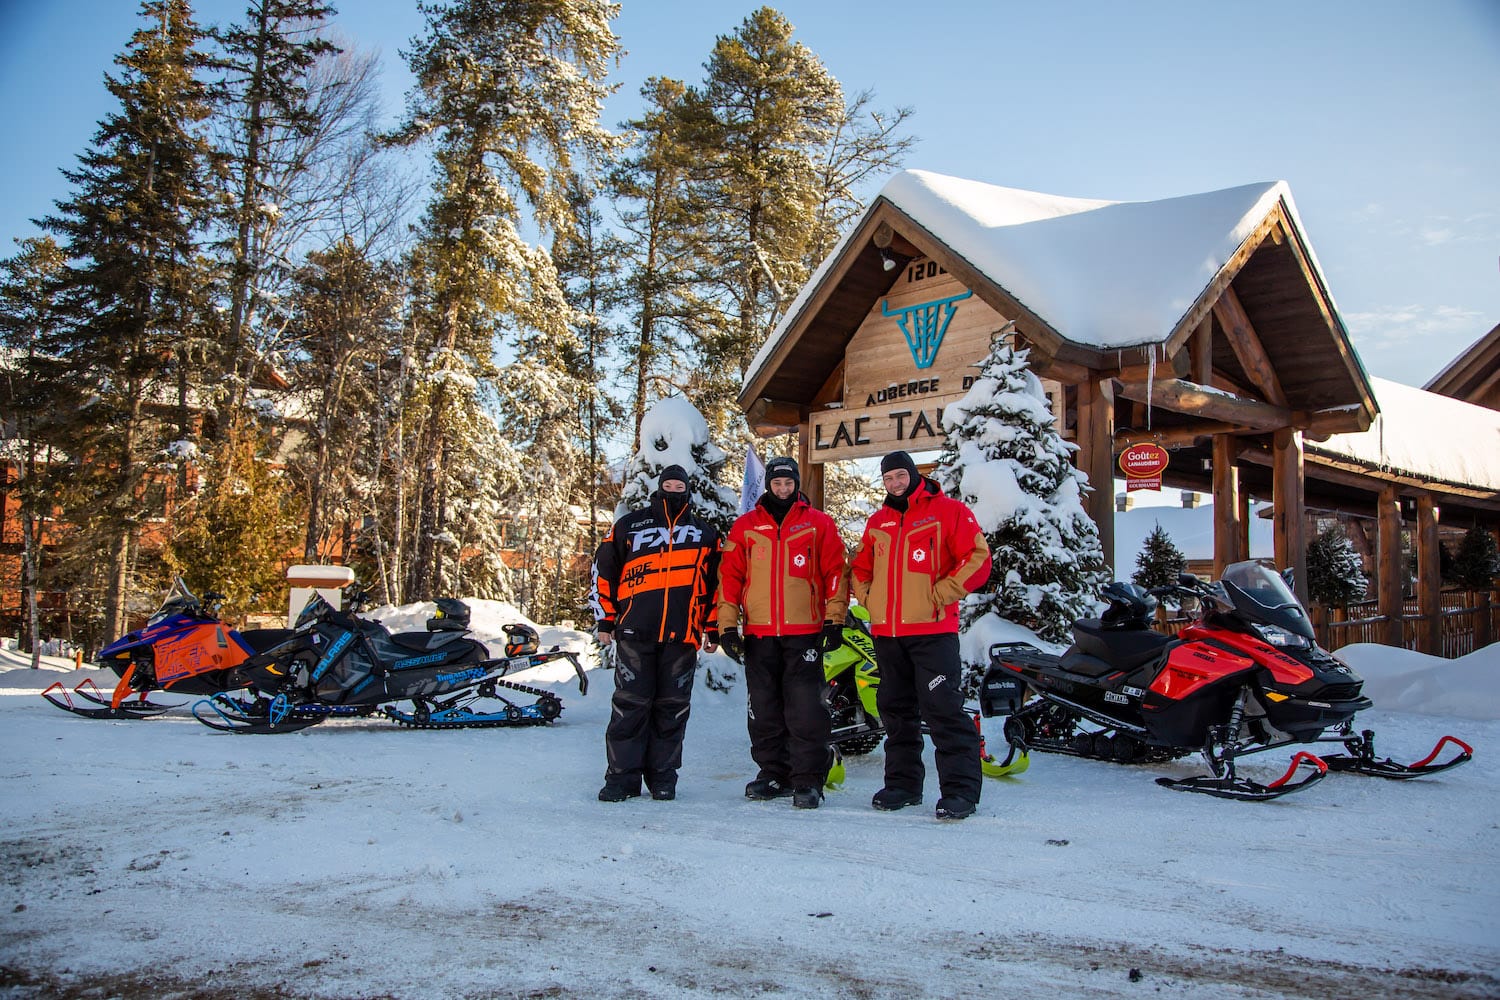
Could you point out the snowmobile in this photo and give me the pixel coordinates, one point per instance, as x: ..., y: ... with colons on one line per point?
x: 852, y: 678
x: 1245, y: 676
x: 184, y: 648
x: 335, y: 664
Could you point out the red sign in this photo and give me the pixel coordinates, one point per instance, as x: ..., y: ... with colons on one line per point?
x: 1143, y: 465
x: 1144, y: 461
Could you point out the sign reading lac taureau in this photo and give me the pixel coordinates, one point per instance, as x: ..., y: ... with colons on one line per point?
x: 916, y: 351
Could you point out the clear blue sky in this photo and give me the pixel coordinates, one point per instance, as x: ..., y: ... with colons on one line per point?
x: 1383, y: 116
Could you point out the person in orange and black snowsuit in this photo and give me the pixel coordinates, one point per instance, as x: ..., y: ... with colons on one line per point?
x: 784, y: 566
x: 920, y: 554
x: 653, y: 584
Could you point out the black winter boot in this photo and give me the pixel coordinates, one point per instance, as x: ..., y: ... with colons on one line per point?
x: 890, y: 799
x: 953, y: 807
x: 762, y: 789
x: 616, y: 790
x: 807, y: 798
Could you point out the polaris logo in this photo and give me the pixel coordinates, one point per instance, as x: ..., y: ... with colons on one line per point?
x: 332, y: 654
x: 1116, y: 698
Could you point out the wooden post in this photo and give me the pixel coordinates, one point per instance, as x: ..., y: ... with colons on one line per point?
x: 1390, y: 567
x: 1242, y: 549
x: 812, y: 472
x: 1203, y: 352
x: 1096, y: 456
x: 1482, y: 636
x: 1429, y: 577
x: 1290, y: 527
x: 1227, y: 527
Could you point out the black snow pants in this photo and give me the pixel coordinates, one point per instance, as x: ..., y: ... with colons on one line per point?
x: 788, y: 719
x: 921, y: 680
x: 649, y: 713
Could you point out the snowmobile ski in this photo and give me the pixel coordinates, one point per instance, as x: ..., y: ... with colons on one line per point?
x: 276, y: 715
x: 98, y: 706
x: 1361, y: 759
x: 1228, y: 786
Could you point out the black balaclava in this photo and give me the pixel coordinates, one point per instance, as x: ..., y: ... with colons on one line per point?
x: 781, y: 468
x: 675, y: 501
x: 900, y: 460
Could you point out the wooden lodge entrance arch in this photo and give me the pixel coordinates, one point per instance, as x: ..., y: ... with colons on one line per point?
x: 1241, y: 369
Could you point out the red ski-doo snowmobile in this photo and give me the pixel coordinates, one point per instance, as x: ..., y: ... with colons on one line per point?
x: 185, y: 648
x: 335, y: 664
x: 1244, y: 677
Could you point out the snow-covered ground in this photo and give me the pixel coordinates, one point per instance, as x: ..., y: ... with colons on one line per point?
x: 157, y: 858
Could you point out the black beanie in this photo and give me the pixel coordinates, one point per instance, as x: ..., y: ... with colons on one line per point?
x: 676, y: 472
x: 783, y: 468
x: 899, y: 460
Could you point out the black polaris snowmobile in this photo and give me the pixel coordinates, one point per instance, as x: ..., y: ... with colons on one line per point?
x: 1245, y: 677
x: 339, y: 665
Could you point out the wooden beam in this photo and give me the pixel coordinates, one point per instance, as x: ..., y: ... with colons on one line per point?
x: 1202, y: 351
x: 769, y: 417
x: 1179, y: 437
x: 886, y: 238
x: 1390, y: 566
x: 1096, y: 456
x: 1429, y: 577
x: 1201, y: 401
x: 1247, y: 346
x: 1227, y: 527
x: 811, y: 468
x: 1321, y: 424
x: 1065, y: 372
x: 1290, y: 524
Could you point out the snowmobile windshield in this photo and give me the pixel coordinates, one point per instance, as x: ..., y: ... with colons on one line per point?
x: 1261, y: 597
x: 179, y: 601
x: 316, y: 608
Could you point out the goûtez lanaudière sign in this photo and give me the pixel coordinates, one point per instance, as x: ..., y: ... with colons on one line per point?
x: 916, y: 352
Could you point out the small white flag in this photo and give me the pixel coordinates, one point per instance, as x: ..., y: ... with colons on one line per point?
x: 755, y: 480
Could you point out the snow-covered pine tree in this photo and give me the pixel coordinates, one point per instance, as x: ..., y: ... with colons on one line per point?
x: 1335, y: 573
x: 1005, y: 458
x: 675, y: 433
x: 1477, y: 562
x: 1159, y: 563
x: 131, y: 300
x: 512, y: 94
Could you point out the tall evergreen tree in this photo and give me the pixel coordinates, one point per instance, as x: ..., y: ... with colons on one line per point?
x: 766, y: 109
x: 29, y: 407
x: 511, y: 90
x: 131, y: 299
x: 1477, y: 562
x: 266, y: 62
x: 1159, y: 563
x: 1005, y: 458
x: 665, y: 249
x: 1335, y: 573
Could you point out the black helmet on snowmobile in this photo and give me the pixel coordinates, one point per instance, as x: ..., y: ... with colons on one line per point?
x: 450, y: 615
x: 1130, y: 605
x: 521, y: 640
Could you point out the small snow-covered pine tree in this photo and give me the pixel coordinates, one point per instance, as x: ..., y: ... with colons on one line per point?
x: 1005, y: 458
x: 675, y: 433
x: 1335, y: 573
x: 1159, y: 562
x: 1478, y: 560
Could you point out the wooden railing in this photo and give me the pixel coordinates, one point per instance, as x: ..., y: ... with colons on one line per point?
x: 1468, y: 621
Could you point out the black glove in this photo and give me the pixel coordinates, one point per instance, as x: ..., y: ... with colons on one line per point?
x: 732, y: 643
x: 833, y: 637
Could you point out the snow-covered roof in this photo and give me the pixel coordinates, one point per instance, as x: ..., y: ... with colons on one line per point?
x: 1101, y: 275
x: 1424, y: 435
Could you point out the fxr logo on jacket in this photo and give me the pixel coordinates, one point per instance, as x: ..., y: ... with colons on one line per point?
x: 655, y: 537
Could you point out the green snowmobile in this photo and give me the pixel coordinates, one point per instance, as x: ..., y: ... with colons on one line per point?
x: 852, y: 678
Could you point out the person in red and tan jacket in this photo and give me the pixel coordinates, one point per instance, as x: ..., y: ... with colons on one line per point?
x: 782, y: 576
x: 920, y: 554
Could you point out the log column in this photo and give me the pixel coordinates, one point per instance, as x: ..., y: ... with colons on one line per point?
x: 1227, y: 526
x: 1287, y: 476
x: 1429, y: 577
x: 1096, y: 456
x: 811, y: 470
x: 1389, y: 565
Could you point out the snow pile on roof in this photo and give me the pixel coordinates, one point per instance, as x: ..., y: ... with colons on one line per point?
x: 1426, y: 434
x: 1402, y: 680
x: 1106, y: 274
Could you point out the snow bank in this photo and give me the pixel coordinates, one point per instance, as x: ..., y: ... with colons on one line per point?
x: 1400, y: 680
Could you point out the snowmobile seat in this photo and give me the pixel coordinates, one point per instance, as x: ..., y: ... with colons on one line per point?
x: 1122, y: 649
